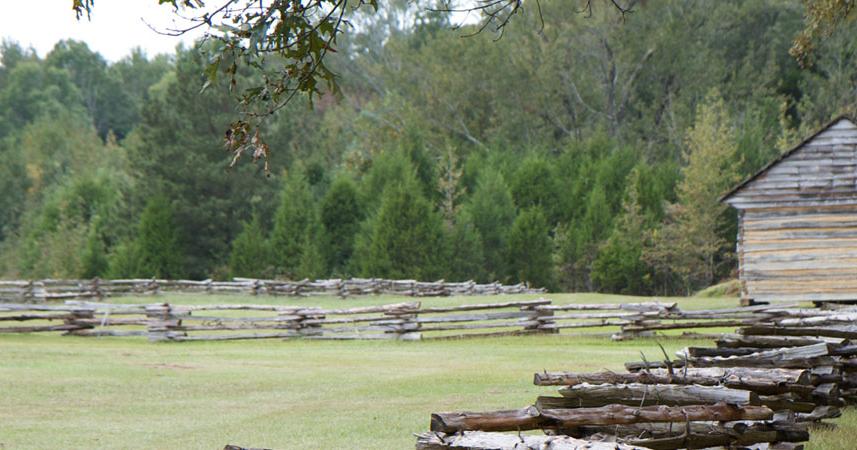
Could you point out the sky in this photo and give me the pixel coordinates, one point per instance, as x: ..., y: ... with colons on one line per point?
x: 116, y: 26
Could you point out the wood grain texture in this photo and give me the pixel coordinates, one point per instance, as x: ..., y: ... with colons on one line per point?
x: 797, y: 236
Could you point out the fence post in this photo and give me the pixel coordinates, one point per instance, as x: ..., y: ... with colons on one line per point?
x: 80, y: 319
x: 29, y: 292
x: 342, y: 287
x: 410, y: 327
x: 309, y: 329
x: 162, y: 324
x: 636, y: 323
x: 544, y: 318
x: 95, y: 288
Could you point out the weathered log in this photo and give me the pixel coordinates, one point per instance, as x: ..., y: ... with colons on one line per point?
x: 636, y: 366
x: 478, y: 335
x: 788, y: 430
x: 233, y: 337
x: 528, y: 418
x: 474, y: 307
x: 591, y: 324
x: 620, y: 414
x: 476, y: 317
x: 99, y: 332
x: 819, y: 413
x: 839, y: 331
x: 707, y: 352
x: 827, y: 394
x: 589, y: 395
x: 643, y: 306
x: 762, y: 381
x: 737, y: 340
x: 738, y: 377
x: 531, y: 418
x: 788, y: 357
x: 789, y: 401
x: 479, y: 440
x: 654, y: 326
x: 479, y: 326
x: 26, y: 317
x: 829, y: 319
x: 700, y: 436
x: 39, y: 329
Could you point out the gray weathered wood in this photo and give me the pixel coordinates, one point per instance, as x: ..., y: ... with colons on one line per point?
x: 588, y: 395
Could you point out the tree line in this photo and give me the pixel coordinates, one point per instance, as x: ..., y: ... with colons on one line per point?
x: 583, y: 154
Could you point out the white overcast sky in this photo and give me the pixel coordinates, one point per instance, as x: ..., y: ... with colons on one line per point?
x: 116, y: 27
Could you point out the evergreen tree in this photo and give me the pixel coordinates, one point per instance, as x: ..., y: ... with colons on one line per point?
x: 464, y: 246
x: 124, y: 261
x: 388, y: 168
x: 578, y: 242
x: 405, y: 237
x: 493, y: 212
x: 340, y: 219
x: 312, y: 263
x: 158, y: 241
x: 535, y: 184
x: 619, y: 266
x: 251, y: 253
x: 530, y: 249
x: 94, y: 256
x: 291, y: 220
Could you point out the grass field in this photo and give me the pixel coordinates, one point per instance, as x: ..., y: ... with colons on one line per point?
x: 65, y: 392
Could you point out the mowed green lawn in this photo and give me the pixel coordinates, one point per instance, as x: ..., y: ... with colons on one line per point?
x: 65, y: 392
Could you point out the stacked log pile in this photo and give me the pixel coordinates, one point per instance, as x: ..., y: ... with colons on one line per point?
x: 764, y: 387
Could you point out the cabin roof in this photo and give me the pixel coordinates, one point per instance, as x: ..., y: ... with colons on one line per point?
x: 783, y: 156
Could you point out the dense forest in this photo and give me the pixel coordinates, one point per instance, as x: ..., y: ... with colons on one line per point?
x: 585, y: 153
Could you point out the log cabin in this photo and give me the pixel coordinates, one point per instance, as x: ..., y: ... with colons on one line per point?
x: 797, y: 221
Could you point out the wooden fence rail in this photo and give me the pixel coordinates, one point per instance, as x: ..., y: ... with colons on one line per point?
x: 402, y: 321
x: 96, y: 289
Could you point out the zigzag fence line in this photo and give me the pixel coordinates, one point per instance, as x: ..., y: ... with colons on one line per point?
x: 43, y: 290
x: 400, y: 321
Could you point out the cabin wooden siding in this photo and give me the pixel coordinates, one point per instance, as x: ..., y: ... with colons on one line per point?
x: 797, y: 236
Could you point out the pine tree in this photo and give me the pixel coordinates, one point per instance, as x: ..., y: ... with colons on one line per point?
x: 94, y: 255
x: 312, y: 263
x: 493, y: 212
x: 124, y: 261
x: 578, y: 241
x: 619, y: 266
x: 158, y: 241
x: 341, y: 214
x: 291, y: 220
x: 535, y: 184
x: 530, y: 254
x: 251, y: 253
x: 405, y: 237
x: 465, y: 258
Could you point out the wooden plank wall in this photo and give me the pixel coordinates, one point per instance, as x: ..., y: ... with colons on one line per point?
x: 791, y: 254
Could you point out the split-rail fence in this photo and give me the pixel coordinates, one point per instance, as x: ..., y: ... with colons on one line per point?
x: 96, y: 288
x: 401, y: 321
